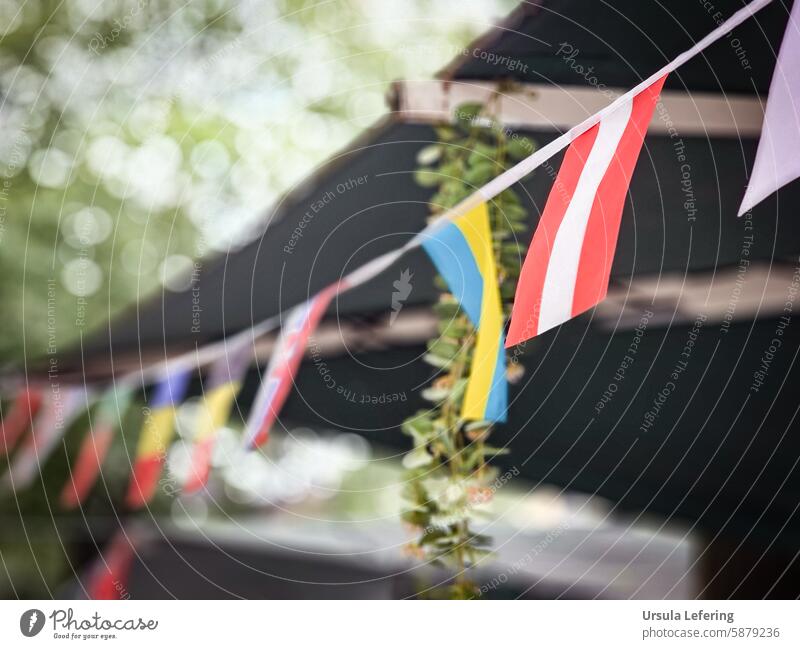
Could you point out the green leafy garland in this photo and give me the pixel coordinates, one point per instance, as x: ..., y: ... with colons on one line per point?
x: 449, y: 479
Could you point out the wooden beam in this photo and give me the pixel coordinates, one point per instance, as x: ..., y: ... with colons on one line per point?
x: 551, y: 108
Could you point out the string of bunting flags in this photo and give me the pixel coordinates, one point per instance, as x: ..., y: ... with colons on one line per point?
x: 566, y: 272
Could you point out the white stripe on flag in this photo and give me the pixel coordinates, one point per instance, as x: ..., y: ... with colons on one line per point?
x: 562, y: 271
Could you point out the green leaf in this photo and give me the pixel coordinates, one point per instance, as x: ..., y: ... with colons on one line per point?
x: 435, y: 395
x: 463, y: 591
x: 417, y: 458
x: 458, y: 389
x: 449, y: 309
x: 449, y: 195
x: 473, y: 457
x: 453, y: 328
x: 475, y: 425
x: 508, y: 197
x: 439, y: 201
x: 429, y: 154
x: 513, y: 247
x: 508, y: 289
x: 512, y: 261
x: 445, y: 133
x: 443, y: 347
x: 439, y: 283
x: 431, y: 536
x: 491, y: 450
x: 480, y: 173
x: 414, y: 492
x: 482, y: 153
x: 427, y: 178
x: 476, y: 554
x: 451, y: 173
x: 445, y: 441
x: 437, y: 361
x: 415, y: 517
x: 512, y: 212
x: 517, y: 227
x: 519, y: 147
x: 465, y: 114
x: 418, y: 427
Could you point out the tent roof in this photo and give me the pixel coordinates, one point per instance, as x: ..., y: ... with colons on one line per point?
x: 624, y: 42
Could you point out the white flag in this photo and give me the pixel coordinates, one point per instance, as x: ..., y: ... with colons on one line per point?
x: 777, y: 160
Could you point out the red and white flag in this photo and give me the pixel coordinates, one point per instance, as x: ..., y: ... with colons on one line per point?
x: 95, y: 446
x: 16, y: 422
x: 289, y: 351
x: 568, y: 264
x: 60, y: 409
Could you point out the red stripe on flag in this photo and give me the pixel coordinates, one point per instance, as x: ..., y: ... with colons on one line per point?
x: 144, y: 480
x: 201, y: 465
x: 525, y: 313
x: 602, y: 230
x: 108, y: 579
x: 26, y: 404
x: 87, y: 466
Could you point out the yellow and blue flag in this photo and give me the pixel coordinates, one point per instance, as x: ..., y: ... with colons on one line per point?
x: 157, y: 431
x: 462, y: 252
x: 224, y: 381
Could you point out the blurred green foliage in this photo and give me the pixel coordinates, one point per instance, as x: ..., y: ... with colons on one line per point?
x: 138, y: 135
